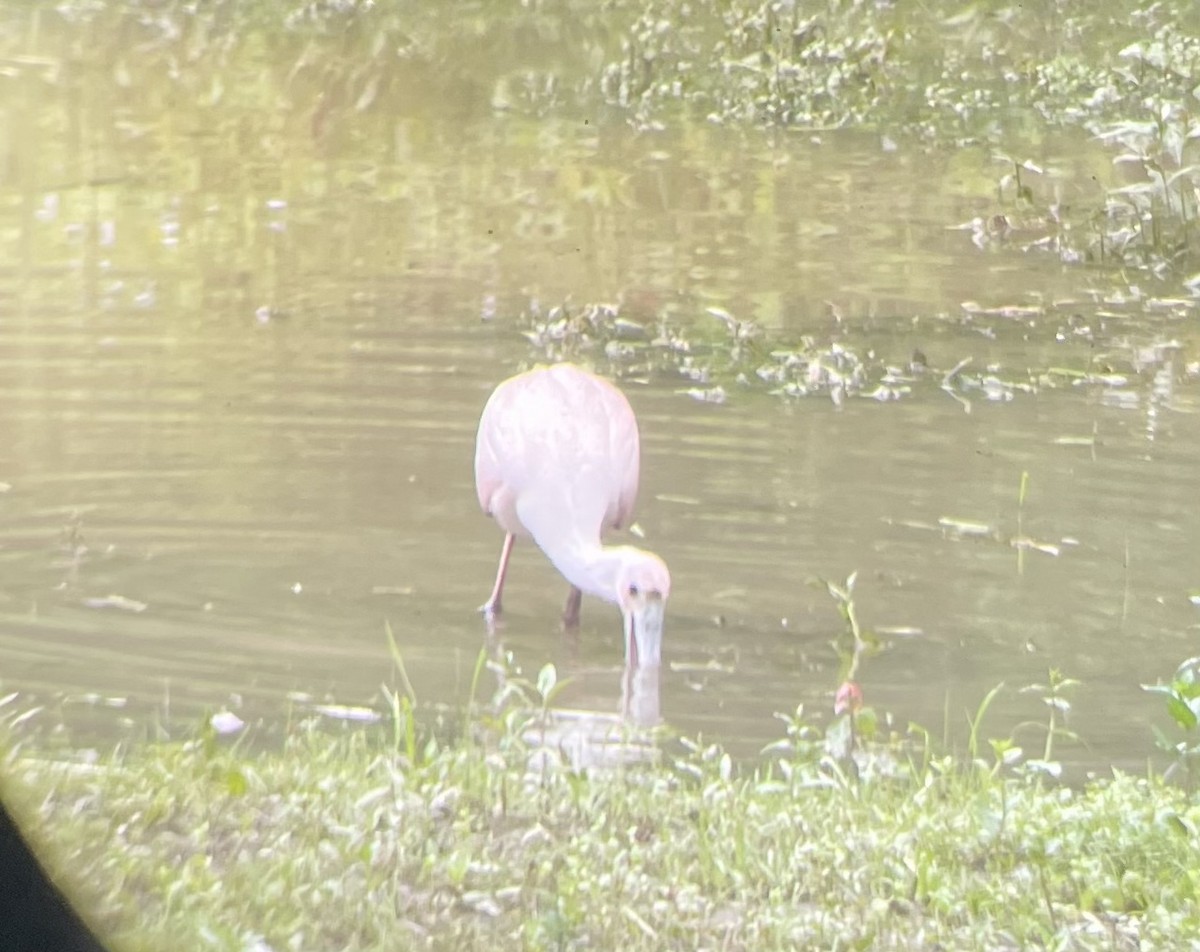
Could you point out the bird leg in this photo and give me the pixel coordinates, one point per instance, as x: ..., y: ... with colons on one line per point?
x: 570, y: 615
x: 491, y: 608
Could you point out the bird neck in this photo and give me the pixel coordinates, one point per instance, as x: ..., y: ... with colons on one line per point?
x: 588, y: 565
x: 567, y: 528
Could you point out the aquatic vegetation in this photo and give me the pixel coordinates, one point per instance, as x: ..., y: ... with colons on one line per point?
x: 938, y: 73
x: 717, y: 360
x: 944, y: 75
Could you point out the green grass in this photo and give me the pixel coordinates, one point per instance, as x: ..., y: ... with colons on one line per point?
x: 341, y: 840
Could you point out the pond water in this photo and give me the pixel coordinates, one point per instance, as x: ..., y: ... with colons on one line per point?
x: 242, y: 359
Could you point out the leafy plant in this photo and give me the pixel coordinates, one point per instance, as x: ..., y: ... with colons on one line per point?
x: 1181, y: 698
x: 1054, y: 695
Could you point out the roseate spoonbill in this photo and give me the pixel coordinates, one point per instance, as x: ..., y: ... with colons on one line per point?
x: 557, y: 459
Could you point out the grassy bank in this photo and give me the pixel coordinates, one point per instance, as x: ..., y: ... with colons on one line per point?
x: 372, y: 838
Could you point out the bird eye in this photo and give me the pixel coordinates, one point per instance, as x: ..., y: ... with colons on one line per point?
x: 633, y: 589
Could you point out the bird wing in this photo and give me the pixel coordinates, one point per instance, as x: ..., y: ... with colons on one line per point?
x: 626, y: 455
x: 527, y: 447
x: 558, y: 432
x: 496, y: 444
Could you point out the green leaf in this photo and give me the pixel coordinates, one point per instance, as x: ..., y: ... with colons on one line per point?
x: 410, y: 731
x: 398, y: 659
x: 977, y: 721
x: 867, y: 722
x: 235, y: 782
x: 1181, y: 712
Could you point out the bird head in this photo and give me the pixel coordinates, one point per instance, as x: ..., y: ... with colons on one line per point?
x: 643, y: 584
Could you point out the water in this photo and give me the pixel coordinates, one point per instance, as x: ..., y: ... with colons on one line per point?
x: 241, y: 366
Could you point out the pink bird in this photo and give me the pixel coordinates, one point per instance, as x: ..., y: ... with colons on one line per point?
x: 557, y: 459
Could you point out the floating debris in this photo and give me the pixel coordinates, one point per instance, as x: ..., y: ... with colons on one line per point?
x: 1121, y: 399
x: 616, y: 351
x: 996, y: 390
x: 966, y: 527
x: 95, y: 699
x: 1024, y: 542
x: 119, y: 602
x: 627, y: 328
x: 739, y: 330
x: 678, y: 500
x: 899, y: 631
x: 1170, y: 304
x: 712, y: 665
x: 1011, y: 311
x: 1075, y: 441
x: 348, y: 712
x: 912, y: 524
x: 710, y: 395
x: 392, y: 590
x: 884, y: 394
